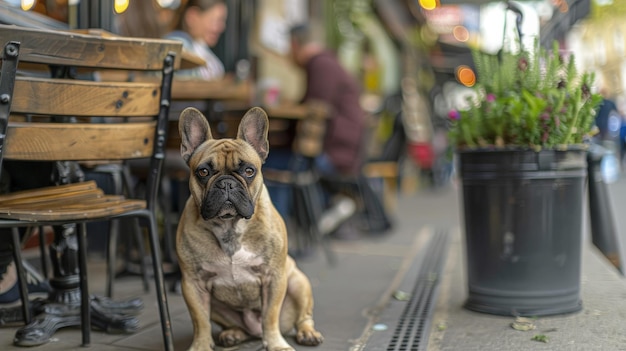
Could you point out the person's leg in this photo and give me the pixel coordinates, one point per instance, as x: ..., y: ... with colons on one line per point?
x: 9, y: 287
x: 8, y: 275
x: 339, y: 207
x: 281, y: 195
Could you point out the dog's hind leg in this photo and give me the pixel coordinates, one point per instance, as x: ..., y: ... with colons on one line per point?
x: 298, y: 308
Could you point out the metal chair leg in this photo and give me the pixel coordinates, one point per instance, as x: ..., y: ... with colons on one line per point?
x: 166, y: 325
x: 313, y: 199
x: 85, y: 303
x: 17, y: 258
x: 165, y: 202
x: 111, y: 257
x: 128, y: 188
x: 43, y: 252
x: 122, y: 183
x: 138, y: 234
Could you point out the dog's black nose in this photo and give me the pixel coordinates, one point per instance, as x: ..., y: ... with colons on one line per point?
x: 226, y: 183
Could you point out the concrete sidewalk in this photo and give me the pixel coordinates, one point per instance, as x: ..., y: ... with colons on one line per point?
x: 360, y: 300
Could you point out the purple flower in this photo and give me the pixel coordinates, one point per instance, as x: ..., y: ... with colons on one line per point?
x: 491, y: 98
x: 454, y: 115
x: 522, y: 64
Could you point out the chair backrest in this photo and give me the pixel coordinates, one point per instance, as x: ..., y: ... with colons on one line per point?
x: 61, y: 111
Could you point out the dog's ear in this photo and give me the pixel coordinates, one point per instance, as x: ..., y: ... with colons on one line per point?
x: 253, y: 129
x: 194, y: 130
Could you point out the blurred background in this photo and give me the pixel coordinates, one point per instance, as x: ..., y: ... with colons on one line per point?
x: 412, y: 57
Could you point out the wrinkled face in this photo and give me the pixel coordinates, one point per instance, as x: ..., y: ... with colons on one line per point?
x: 207, y: 25
x: 225, y: 179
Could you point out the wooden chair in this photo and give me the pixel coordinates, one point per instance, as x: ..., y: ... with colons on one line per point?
x: 56, y: 119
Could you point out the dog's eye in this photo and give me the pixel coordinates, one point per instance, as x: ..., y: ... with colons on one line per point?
x: 249, y: 172
x: 202, y: 172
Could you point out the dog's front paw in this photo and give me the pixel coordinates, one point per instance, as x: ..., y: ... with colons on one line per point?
x: 281, y: 346
x: 309, y: 337
x: 202, y: 345
x: 232, y: 337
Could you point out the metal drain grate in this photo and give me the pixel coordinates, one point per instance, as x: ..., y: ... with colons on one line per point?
x: 411, y: 333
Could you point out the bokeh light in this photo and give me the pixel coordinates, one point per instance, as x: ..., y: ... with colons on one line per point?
x: 27, y: 4
x: 465, y: 76
x: 460, y: 33
x: 429, y: 4
x: 121, y: 5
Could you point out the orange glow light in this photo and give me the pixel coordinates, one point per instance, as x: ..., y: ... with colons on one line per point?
x: 465, y: 76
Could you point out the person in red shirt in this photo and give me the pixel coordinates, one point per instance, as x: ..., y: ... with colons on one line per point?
x: 327, y: 81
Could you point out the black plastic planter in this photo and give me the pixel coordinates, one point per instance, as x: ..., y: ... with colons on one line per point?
x: 523, y: 214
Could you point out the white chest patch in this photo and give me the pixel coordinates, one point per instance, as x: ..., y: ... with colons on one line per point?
x: 241, y: 268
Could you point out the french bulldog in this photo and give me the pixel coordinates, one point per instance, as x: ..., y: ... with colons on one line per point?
x: 232, y: 243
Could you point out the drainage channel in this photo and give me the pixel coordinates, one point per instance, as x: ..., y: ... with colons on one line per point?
x: 405, y: 325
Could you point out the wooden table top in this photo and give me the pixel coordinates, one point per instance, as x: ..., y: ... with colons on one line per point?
x: 189, y: 89
x: 197, y: 89
x: 290, y: 110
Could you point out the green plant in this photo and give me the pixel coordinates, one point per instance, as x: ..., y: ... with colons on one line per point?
x: 526, y: 99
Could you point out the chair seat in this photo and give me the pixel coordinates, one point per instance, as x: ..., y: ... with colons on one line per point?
x: 65, y: 202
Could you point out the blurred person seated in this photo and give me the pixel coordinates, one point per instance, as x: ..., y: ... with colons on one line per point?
x: 327, y: 82
x: 200, y: 25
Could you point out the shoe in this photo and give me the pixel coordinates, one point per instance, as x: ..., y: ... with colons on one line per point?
x: 37, y: 286
x: 339, y: 212
x: 347, y: 231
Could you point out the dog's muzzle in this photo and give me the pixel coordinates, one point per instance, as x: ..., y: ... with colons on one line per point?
x: 226, y: 199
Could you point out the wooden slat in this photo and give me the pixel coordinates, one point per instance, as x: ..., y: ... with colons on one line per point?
x: 45, y: 200
x: 79, y: 142
x: 72, y: 201
x: 90, y: 50
x: 101, y: 210
x: 85, y: 98
x: 53, y: 190
x: 190, y: 60
x: 77, y: 205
